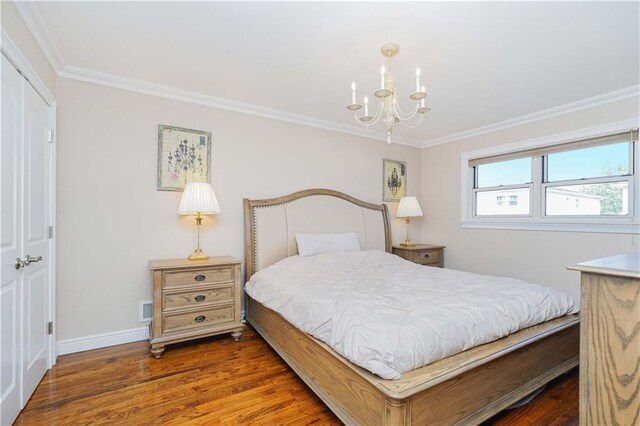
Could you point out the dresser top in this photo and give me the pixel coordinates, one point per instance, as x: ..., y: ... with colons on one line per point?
x: 186, y: 263
x: 419, y: 247
x: 622, y: 265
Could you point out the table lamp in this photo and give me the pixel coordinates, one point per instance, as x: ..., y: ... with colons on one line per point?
x: 198, y: 199
x: 407, y: 209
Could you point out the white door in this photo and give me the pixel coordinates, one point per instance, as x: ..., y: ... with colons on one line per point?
x: 11, y: 244
x: 35, y: 240
x: 26, y: 212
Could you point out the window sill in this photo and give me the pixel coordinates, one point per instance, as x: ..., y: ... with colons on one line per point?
x: 607, y: 228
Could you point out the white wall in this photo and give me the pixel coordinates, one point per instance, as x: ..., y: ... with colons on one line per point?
x: 112, y: 220
x: 534, y: 256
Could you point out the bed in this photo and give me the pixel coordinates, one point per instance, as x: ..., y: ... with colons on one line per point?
x: 466, y: 388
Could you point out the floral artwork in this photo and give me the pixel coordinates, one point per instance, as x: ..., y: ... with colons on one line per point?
x: 394, y: 180
x: 183, y: 157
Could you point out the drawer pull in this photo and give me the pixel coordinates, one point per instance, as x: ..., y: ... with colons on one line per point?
x: 200, y: 318
x: 200, y: 297
x: 200, y: 277
x: 426, y: 255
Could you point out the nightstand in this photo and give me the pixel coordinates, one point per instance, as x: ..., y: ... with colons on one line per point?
x: 423, y: 254
x: 194, y: 299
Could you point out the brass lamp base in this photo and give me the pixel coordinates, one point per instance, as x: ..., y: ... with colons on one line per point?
x: 408, y: 244
x: 198, y: 255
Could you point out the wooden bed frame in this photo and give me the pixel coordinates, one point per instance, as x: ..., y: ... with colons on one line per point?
x: 466, y: 388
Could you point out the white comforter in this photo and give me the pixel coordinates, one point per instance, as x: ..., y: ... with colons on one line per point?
x: 389, y: 315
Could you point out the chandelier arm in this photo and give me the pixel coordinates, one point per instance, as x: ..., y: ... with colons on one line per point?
x: 374, y: 128
x: 374, y: 120
x: 357, y: 120
x: 407, y: 116
x: 413, y: 125
x: 378, y: 113
x: 378, y: 125
x: 366, y: 124
x: 369, y: 124
x: 373, y: 123
x: 409, y: 126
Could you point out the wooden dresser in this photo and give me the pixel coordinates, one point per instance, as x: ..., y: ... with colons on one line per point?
x: 610, y: 340
x: 193, y: 299
x: 424, y: 254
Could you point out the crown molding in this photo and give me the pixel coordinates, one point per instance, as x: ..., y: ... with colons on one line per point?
x: 36, y: 24
x: 594, y: 101
x: 139, y: 86
x: 147, y: 88
x: 18, y: 60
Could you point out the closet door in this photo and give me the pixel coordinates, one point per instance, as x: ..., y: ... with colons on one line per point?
x: 35, y: 208
x: 25, y: 245
x: 11, y: 243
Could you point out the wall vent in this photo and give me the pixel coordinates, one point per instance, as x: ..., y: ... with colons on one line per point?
x: 145, y: 312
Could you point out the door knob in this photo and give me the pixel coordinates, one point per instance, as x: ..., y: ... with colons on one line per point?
x: 32, y: 259
x: 21, y: 263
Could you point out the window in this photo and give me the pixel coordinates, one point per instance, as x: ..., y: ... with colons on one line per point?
x: 572, y: 182
x: 501, y: 180
x: 597, y: 161
x: 598, y: 176
x: 514, y: 172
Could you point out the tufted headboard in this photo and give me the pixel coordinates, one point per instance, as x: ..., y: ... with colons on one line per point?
x: 271, y: 225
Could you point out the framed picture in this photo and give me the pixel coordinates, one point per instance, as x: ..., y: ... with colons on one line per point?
x: 394, y: 180
x: 184, y: 156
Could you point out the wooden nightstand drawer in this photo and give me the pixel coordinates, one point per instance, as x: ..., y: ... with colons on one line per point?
x: 189, y: 299
x: 422, y: 254
x: 431, y: 256
x: 197, y: 277
x: 200, y: 318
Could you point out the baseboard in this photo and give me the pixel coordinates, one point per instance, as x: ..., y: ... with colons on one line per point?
x: 97, y: 341
x: 87, y: 343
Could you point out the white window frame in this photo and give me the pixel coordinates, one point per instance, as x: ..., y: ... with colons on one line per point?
x: 506, y: 200
x: 475, y: 190
x: 538, y: 220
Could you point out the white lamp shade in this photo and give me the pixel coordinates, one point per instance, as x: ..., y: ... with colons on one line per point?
x: 409, y: 207
x: 198, y: 197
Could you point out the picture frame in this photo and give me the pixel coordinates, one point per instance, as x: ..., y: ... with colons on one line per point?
x: 184, y: 155
x: 394, y: 180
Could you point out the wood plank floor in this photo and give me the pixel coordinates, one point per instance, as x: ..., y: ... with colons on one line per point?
x: 215, y: 381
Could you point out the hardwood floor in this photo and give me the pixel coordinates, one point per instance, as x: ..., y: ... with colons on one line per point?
x: 215, y: 381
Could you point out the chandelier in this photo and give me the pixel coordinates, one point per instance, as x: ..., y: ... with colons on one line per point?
x: 389, y: 114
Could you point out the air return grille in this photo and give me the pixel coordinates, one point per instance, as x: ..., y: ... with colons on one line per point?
x: 146, y: 311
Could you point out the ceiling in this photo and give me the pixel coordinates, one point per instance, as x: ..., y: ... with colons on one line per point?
x: 482, y: 62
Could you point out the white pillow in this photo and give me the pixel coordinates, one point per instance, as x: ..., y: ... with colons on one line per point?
x: 310, y: 244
